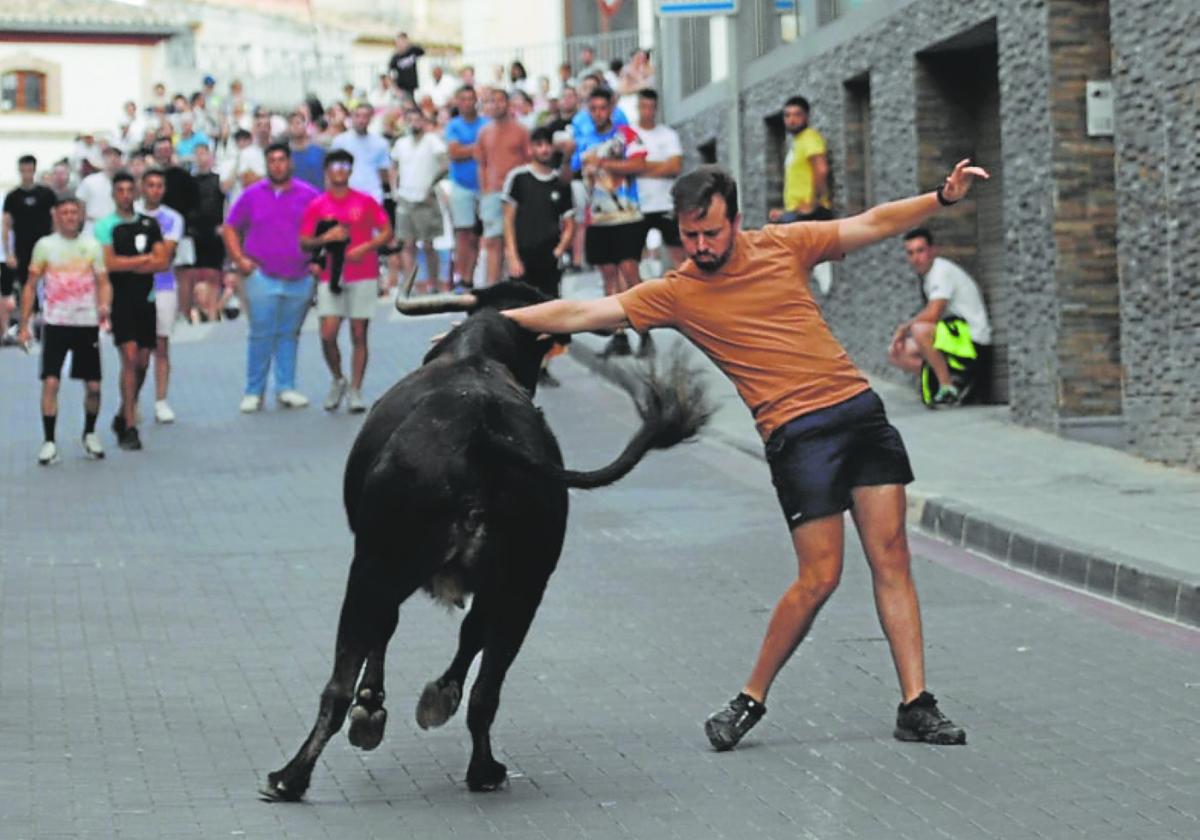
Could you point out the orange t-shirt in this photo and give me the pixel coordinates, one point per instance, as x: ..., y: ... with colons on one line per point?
x: 501, y: 147
x: 757, y: 320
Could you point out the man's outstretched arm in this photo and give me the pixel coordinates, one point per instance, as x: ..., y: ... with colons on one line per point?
x: 895, y: 217
x: 570, y: 316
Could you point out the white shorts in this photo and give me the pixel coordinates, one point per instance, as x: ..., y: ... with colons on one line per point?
x: 579, y: 195
x: 356, y: 300
x: 166, y: 307
x: 491, y: 213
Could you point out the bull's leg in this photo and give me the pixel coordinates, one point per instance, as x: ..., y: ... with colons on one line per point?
x: 367, y: 608
x: 368, y: 716
x: 504, y: 635
x: 439, y: 701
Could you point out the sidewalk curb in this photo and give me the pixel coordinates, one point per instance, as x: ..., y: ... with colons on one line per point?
x: 1155, y: 589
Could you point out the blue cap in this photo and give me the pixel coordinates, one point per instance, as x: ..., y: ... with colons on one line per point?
x: 209, y: 80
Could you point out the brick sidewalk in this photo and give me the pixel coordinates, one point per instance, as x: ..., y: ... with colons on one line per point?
x: 167, y: 617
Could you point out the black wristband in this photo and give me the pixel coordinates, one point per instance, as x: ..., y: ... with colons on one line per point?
x: 941, y: 197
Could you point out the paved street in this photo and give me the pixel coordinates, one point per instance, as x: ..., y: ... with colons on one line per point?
x: 167, y: 619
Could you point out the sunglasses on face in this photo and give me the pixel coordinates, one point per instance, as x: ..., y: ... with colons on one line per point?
x: 341, y: 165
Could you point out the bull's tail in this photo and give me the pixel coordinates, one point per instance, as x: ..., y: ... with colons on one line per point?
x: 673, y: 406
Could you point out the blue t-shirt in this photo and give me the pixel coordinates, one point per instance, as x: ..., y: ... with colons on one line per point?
x: 583, y: 129
x: 308, y: 165
x: 465, y: 173
x: 186, y: 147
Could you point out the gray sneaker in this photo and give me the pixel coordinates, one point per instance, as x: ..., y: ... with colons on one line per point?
x: 921, y: 720
x: 337, y: 390
x: 356, y: 404
x: 727, y: 726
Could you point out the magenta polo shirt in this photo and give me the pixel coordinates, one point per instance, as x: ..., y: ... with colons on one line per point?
x: 270, y: 220
x: 363, y: 216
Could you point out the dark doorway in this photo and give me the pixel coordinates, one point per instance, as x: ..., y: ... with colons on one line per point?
x: 708, y: 151
x: 958, y: 116
x: 774, y: 152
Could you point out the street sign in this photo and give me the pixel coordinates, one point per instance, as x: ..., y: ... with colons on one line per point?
x: 695, y: 8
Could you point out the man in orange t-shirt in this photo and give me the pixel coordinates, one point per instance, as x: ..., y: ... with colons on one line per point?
x: 743, y: 298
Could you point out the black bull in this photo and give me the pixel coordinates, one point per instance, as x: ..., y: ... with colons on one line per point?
x: 456, y: 485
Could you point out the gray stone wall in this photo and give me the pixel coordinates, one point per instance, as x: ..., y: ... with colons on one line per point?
x: 1156, y: 74
x: 1157, y: 181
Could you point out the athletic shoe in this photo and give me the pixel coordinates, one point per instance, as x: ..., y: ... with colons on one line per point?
x: 337, y: 390
x: 618, y: 345
x: 356, y: 404
x: 250, y: 403
x: 163, y: 412
x: 921, y: 720
x: 48, y: 454
x: 547, y: 379
x: 946, y: 395
x: 130, y: 440
x: 92, y: 447
x: 728, y: 726
x: 292, y: 398
x: 646, y: 347
x: 118, y: 425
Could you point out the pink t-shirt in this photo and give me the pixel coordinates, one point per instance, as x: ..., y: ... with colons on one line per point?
x: 363, y: 217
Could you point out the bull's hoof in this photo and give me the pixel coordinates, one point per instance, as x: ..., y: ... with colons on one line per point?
x: 278, y: 789
x: 486, y: 776
x: 366, y: 727
x: 438, y: 704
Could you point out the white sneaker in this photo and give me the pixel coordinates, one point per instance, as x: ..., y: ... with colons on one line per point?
x: 163, y: 412
x: 356, y: 404
x: 250, y: 404
x: 48, y: 454
x: 292, y: 399
x: 337, y: 390
x: 92, y: 447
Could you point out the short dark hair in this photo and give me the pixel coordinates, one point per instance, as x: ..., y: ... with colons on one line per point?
x: 242, y: 134
x: 797, y: 102
x: 601, y: 93
x: 152, y: 172
x: 920, y: 233
x: 163, y: 139
x: 693, y: 193
x: 542, y: 134
x: 24, y: 160
x: 111, y: 150
x: 278, y: 147
x: 122, y: 177
x: 648, y: 93
x: 338, y: 155
x: 68, y: 199
x: 466, y: 89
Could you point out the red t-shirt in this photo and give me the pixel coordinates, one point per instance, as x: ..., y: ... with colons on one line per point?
x: 362, y: 216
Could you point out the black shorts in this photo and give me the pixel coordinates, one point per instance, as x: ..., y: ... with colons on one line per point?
x: 541, y: 269
x: 8, y: 279
x: 665, y: 224
x: 210, y: 251
x: 612, y: 244
x: 134, y: 316
x: 83, y: 343
x: 818, y: 458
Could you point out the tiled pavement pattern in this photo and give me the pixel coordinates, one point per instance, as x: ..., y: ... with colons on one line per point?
x: 166, y: 623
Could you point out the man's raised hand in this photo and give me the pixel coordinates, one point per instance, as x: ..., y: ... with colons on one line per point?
x: 958, y: 182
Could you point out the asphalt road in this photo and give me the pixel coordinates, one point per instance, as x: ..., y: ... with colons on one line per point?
x: 167, y: 619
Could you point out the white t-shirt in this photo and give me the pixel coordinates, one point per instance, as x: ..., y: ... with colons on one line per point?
x: 95, y: 191
x: 418, y: 164
x: 370, y: 152
x: 946, y: 281
x: 662, y: 143
x: 249, y: 159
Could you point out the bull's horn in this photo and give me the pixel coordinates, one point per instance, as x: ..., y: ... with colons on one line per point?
x: 433, y: 304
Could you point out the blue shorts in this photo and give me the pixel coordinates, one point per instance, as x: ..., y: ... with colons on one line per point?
x: 464, y: 207
x: 491, y: 213
x: 816, y: 459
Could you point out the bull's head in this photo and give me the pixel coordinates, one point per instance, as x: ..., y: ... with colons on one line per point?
x: 486, y: 333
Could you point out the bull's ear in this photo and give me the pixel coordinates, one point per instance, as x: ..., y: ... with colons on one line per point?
x: 434, y: 304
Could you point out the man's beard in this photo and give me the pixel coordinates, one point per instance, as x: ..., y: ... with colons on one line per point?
x: 277, y: 181
x: 711, y: 265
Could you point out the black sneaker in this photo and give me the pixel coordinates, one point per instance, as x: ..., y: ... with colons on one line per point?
x: 728, y: 726
x: 129, y: 439
x: 921, y: 720
x: 118, y: 425
x: 618, y: 345
x: 646, y: 347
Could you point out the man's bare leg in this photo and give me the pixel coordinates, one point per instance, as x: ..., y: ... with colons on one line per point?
x: 905, y: 355
x: 358, y: 355
x: 466, y: 252
x: 922, y: 334
x: 818, y: 545
x: 329, y: 346
x: 495, y: 259
x: 432, y: 265
x: 879, y: 515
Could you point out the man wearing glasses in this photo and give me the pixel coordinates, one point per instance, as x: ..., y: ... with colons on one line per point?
x: 351, y: 226
x: 262, y: 237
